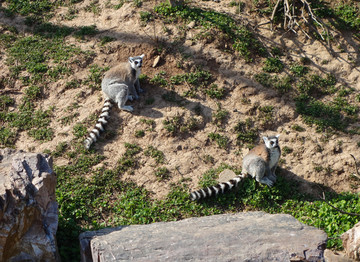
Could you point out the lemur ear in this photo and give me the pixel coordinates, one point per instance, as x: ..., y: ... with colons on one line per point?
x: 277, y: 136
x: 265, y: 139
x: 131, y: 59
x: 142, y: 56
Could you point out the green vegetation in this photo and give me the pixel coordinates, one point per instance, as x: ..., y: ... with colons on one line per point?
x: 246, y: 132
x: 243, y: 40
x: 40, y: 57
x: 221, y: 140
x: 273, y: 65
x: 178, y: 125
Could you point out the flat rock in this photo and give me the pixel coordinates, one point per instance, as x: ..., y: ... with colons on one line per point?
x: 251, y: 236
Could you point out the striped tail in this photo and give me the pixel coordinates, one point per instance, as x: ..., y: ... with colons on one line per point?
x: 214, y: 190
x: 99, y: 127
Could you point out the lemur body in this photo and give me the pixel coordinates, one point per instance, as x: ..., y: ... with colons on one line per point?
x: 120, y: 83
x: 260, y: 163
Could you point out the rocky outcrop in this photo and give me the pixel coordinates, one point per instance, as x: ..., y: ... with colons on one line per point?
x: 28, y: 211
x: 252, y: 236
x: 351, y: 242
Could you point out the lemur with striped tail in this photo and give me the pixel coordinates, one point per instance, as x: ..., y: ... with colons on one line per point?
x: 120, y: 83
x: 260, y: 163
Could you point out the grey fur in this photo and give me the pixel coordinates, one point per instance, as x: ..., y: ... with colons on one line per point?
x: 121, y: 83
x: 260, y: 163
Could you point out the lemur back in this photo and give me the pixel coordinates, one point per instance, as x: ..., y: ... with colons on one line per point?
x: 120, y: 83
x: 260, y: 163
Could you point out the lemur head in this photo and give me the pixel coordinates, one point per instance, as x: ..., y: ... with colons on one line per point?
x: 271, y: 141
x: 136, y: 61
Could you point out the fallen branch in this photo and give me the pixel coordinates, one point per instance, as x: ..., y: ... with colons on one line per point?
x: 341, y: 211
x: 291, y: 19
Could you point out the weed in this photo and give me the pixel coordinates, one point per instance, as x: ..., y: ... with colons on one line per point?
x: 286, y: 150
x: 159, y: 79
x: 244, y: 42
x: 162, y: 173
x: 215, y: 92
x: 246, y: 132
x: 7, y: 137
x: 221, y: 140
x: 79, y: 130
x: 106, y: 39
x: 139, y: 133
x: 155, y: 154
x: 299, y: 70
x: 5, y: 102
x: 95, y: 77
x: 146, y: 16
x: 282, y: 84
x: 298, y: 128
x: 273, y: 65
x: 137, y: 3
x: 220, y: 116
x: 86, y: 31
x: 177, y: 125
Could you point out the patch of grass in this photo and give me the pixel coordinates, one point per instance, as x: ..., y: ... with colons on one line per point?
x: 106, y: 39
x: 177, y: 125
x: 95, y: 77
x: 273, y: 65
x: 139, y: 133
x: 221, y: 140
x: 7, y: 137
x: 298, y: 128
x: 281, y: 84
x: 215, y: 92
x: 246, y: 132
x: 220, y: 116
x: 162, y: 173
x: 156, y: 154
x: 146, y: 16
x: 5, y: 102
x: 27, y: 7
x: 159, y: 79
x: 86, y: 31
x: 299, y: 70
x: 243, y: 40
x: 320, y: 114
x: 285, y: 150
x: 80, y: 131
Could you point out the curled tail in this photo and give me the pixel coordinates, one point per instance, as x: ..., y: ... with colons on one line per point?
x: 214, y: 190
x: 99, y: 127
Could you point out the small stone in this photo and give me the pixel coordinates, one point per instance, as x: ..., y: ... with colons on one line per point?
x: 191, y: 24
x: 156, y: 61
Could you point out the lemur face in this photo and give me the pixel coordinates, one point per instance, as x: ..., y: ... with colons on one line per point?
x: 271, y: 141
x: 136, y: 61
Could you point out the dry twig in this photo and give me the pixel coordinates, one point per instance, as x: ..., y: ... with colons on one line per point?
x: 341, y: 211
x: 292, y: 20
x: 356, y: 167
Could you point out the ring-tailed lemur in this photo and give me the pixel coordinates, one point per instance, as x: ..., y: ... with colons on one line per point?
x: 260, y: 163
x: 119, y: 84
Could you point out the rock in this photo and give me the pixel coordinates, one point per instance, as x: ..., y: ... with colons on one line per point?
x: 331, y: 256
x: 28, y: 211
x: 226, y: 175
x: 192, y: 24
x: 252, y: 236
x: 351, y: 242
x: 156, y: 61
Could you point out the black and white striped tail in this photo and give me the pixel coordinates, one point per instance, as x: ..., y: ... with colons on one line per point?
x: 214, y: 190
x: 99, y: 127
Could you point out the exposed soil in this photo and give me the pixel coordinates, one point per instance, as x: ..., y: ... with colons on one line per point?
x: 186, y: 155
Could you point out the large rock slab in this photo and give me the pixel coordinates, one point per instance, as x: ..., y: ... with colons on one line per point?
x: 252, y: 236
x: 28, y: 211
x: 351, y: 242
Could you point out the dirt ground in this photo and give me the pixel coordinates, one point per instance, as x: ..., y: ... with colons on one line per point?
x: 185, y: 156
